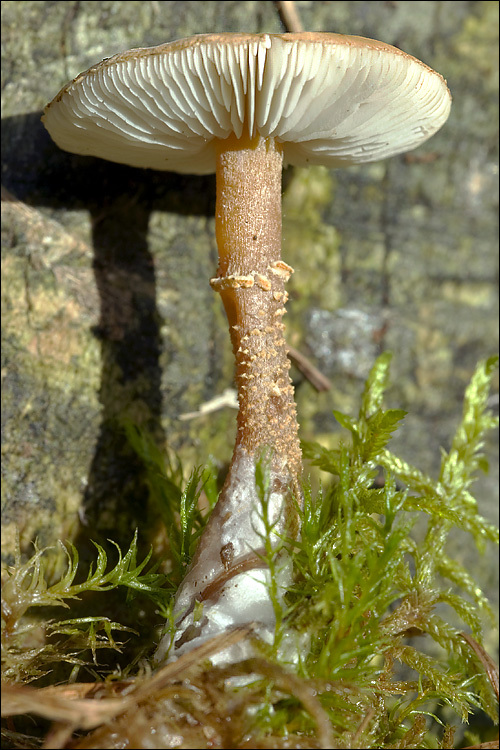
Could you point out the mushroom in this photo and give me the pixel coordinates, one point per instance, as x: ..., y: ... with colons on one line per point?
x: 242, y: 105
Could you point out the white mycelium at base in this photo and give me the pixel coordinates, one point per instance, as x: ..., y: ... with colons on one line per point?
x: 244, y: 597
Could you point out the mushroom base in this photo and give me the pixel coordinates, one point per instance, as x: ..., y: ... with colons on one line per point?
x: 229, y: 577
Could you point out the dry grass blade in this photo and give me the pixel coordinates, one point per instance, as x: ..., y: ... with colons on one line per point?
x: 364, y: 725
x: 58, y: 736
x: 76, y: 705
x: 60, y: 704
x: 295, y: 686
x: 173, y: 670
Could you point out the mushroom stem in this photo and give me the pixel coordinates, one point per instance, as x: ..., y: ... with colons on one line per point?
x: 251, y: 280
x: 226, y: 573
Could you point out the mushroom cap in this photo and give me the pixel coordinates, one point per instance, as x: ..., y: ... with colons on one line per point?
x: 328, y: 98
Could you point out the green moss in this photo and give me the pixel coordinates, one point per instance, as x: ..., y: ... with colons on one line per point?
x: 310, y: 245
x: 478, y: 37
x: 366, y: 652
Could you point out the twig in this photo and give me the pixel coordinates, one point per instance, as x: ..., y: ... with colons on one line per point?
x: 313, y: 375
x: 289, y: 16
x: 227, y: 398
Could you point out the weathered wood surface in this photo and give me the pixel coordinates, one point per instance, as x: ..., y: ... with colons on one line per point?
x: 107, y: 310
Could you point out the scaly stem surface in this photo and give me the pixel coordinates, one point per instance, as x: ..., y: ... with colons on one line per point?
x: 251, y: 281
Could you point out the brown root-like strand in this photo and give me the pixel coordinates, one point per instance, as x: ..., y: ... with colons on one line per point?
x: 251, y: 561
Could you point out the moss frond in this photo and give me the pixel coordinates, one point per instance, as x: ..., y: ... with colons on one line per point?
x: 378, y: 639
x: 177, y: 501
x: 365, y: 590
x: 65, y: 641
